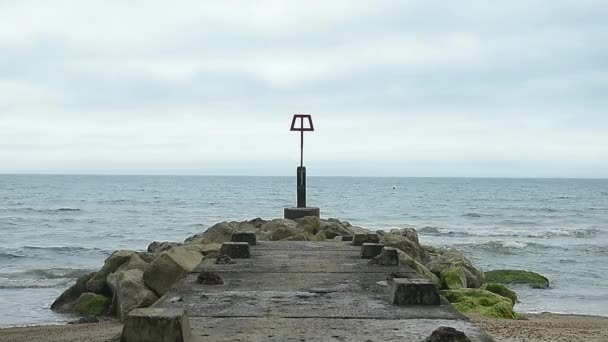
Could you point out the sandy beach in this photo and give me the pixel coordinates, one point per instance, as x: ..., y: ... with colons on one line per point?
x: 531, y: 328
x: 546, y: 327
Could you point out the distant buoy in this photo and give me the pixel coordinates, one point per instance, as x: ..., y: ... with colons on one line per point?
x: 394, y: 187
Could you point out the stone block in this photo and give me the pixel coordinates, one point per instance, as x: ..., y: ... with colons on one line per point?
x: 296, y: 213
x: 347, y: 238
x: 389, y: 256
x: 248, y: 237
x: 157, y: 325
x: 371, y: 250
x: 404, y: 291
x: 235, y: 250
x: 361, y: 238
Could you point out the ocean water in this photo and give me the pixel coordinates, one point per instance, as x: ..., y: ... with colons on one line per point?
x: 54, y: 228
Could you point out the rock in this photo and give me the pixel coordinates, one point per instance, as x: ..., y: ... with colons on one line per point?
x: 209, y: 278
x: 257, y: 222
x: 501, y: 290
x: 157, y: 325
x: 309, y: 224
x: 236, y: 250
x: 218, y: 233
x: 169, y: 267
x: 300, y: 237
x: 320, y: 236
x: 224, y: 260
x: 245, y: 236
x: 419, y: 268
x: 283, y: 232
x: 278, y: 223
x: 135, y: 263
x: 408, y: 232
x: 85, y: 320
x: 454, y: 259
x: 453, y: 279
x: 333, y: 229
x: 131, y: 293
x: 158, y: 247
x: 358, y: 230
x: 72, y: 293
x: 262, y: 236
x: 480, y: 301
x: 88, y: 304
x: 97, y: 284
x: 535, y: 280
x: 403, y: 243
x: 447, y: 334
x: 146, y: 256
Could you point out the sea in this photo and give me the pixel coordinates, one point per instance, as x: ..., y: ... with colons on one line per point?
x: 54, y: 228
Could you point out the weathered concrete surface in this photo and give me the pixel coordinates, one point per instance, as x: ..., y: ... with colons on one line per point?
x: 307, y: 291
x: 156, y: 325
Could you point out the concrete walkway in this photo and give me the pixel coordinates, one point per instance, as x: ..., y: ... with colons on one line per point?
x: 306, y: 291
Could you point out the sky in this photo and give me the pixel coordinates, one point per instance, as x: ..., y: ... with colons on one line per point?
x: 395, y: 88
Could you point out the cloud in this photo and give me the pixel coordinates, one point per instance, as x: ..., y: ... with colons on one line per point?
x: 209, y: 87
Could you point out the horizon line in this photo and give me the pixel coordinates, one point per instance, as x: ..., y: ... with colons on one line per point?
x: 283, y: 176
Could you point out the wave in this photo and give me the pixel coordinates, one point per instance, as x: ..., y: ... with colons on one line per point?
x: 583, y: 233
x: 46, y: 211
x: 506, y: 247
x: 436, y: 231
x: 7, y: 255
x: 472, y: 215
x: 40, y: 278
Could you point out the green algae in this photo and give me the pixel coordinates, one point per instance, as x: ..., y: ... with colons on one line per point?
x: 501, y: 290
x: 453, y: 278
x: 481, y: 302
x: 90, y: 304
x: 535, y: 280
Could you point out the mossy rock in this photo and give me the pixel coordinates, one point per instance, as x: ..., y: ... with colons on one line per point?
x: 453, y: 279
x: 501, y: 290
x: 481, y: 302
x: 89, y: 304
x: 535, y: 280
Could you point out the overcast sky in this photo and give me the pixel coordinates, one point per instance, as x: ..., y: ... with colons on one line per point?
x: 396, y: 88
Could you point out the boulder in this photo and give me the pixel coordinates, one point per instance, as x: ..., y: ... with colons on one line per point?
x: 97, y: 284
x: 453, y: 279
x: 333, y: 229
x: 447, y: 334
x: 501, y: 290
x: 320, y: 236
x: 262, y: 236
x: 535, y: 280
x: 257, y: 222
x: 220, y: 232
x: 454, y: 259
x: 404, y: 244
x: 88, y: 304
x: 169, y: 267
x: 273, y: 225
x: 408, y: 232
x: 283, y: 232
x: 158, y: 246
x: 146, y: 256
x: 358, y: 230
x: 300, y: 237
x: 135, y: 263
x: 72, y: 293
x: 419, y: 268
x: 131, y: 293
x: 481, y: 302
x: 309, y: 224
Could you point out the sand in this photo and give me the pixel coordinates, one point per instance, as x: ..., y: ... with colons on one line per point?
x: 532, y: 328
x: 95, y: 332
x: 546, y: 327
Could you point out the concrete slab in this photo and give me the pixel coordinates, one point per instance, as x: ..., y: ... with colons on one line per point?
x: 307, y: 291
x: 323, y: 329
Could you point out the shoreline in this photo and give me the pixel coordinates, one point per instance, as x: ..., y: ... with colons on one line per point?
x: 532, y: 327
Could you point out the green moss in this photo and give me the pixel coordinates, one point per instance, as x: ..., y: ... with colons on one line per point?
x: 482, y: 302
x: 517, y: 277
x: 453, y: 278
x: 502, y: 290
x: 90, y: 304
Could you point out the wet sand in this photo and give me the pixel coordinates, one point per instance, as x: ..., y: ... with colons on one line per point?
x: 532, y: 328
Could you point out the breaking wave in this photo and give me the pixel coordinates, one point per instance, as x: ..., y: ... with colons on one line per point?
x: 40, y: 278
